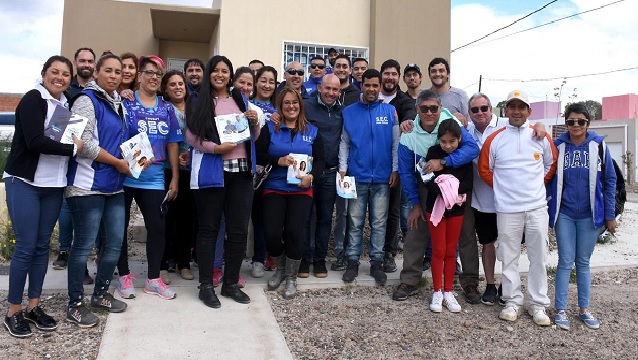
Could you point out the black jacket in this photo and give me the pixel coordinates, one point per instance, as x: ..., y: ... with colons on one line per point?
x: 29, y: 140
x: 464, y: 173
x: 405, y: 106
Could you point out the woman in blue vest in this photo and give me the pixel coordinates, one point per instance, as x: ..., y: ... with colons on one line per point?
x: 287, y: 206
x: 95, y: 191
x: 582, y: 200
x: 34, y: 177
x: 221, y: 179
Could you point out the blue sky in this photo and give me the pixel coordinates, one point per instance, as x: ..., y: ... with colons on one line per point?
x: 600, y: 41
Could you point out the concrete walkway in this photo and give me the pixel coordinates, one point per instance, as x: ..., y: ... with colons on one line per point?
x: 184, y: 328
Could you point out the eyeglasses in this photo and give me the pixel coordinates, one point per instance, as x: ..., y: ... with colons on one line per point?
x: 151, y: 73
x: 475, y: 109
x: 432, y: 108
x: 293, y: 72
x: 580, y: 122
x: 314, y: 66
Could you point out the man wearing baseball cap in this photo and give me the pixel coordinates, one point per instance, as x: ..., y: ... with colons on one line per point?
x: 412, y: 78
x: 521, y: 209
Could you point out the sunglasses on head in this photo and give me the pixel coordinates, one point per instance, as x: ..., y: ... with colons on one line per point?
x: 475, y: 109
x: 432, y: 108
x: 293, y: 72
x: 580, y: 122
x: 314, y: 66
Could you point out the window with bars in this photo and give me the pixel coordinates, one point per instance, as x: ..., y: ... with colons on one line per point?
x: 303, y: 52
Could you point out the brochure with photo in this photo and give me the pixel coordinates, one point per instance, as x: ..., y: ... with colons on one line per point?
x: 300, y: 168
x: 64, y: 124
x: 233, y: 128
x: 136, y: 150
x: 420, y: 165
x: 346, y: 187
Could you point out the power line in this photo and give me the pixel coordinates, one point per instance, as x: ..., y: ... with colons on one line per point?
x: 505, y: 27
x: 562, y: 77
x: 545, y: 24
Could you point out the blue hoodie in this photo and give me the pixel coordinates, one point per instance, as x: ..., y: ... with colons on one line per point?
x: 579, y: 168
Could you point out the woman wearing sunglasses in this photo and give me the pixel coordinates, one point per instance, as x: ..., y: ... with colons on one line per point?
x: 582, y: 200
x: 156, y: 117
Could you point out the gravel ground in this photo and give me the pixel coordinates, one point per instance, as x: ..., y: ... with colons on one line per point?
x: 360, y: 322
x: 67, y: 342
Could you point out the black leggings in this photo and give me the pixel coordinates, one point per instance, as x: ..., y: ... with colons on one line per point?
x: 234, y: 200
x: 285, y: 218
x: 180, y: 222
x: 149, y: 202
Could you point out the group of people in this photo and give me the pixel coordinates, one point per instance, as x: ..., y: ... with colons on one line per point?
x: 351, y: 120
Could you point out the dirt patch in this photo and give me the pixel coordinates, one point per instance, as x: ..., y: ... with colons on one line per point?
x: 358, y: 322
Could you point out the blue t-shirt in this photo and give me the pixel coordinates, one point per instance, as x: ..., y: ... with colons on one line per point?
x: 162, y: 127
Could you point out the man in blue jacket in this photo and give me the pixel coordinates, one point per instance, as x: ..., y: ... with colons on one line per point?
x: 317, y: 71
x: 368, y: 151
x: 324, y: 112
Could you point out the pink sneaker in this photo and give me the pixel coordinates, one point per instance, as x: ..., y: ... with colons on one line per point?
x: 241, y: 283
x: 125, y: 286
x: 217, y: 277
x: 157, y: 287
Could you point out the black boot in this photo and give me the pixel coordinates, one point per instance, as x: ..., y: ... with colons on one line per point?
x: 234, y: 292
x: 208, y: 297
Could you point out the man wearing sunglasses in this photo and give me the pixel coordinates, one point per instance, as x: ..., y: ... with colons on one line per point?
x: 412, y: 147
x: 453, y: 99
x: 508, y: 154
x: 317, y: 71
x: 293, y: 77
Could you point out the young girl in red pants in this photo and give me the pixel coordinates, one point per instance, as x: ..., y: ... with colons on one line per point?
x: 447, y: 194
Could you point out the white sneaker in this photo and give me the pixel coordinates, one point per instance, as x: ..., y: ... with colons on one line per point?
x: 257, y: 269
x: 450, y: 302
x: 539, y: 316
x: 510, y: 313
x: 437, y: 302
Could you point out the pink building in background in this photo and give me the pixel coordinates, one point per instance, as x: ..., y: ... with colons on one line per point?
x: 545, y: 110
x: 620, y: 107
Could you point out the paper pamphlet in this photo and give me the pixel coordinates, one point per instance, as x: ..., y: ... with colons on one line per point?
x: 301, y: 167
x: 346, y: 187
x: 63, y: 124
x: 135, y: 151
x: 233, y: 128
x: 420, y: 165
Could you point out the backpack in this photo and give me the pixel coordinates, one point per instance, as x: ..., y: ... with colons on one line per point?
x: 621, y: 192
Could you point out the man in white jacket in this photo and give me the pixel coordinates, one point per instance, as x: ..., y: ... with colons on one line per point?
x: 517, y: 166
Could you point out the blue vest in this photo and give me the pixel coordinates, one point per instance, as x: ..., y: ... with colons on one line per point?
x: 111, y: 132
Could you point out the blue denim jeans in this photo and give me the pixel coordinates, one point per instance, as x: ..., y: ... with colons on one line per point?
x: 92, y: 214
x: 65, y: 227
x: 576, y: 239
x: 376, y: 197
x: 340, y: 228
x: 325, y: 195
x: 406, y: 207
x: 33, y: 211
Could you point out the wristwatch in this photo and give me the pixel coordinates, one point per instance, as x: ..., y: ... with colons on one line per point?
x: 443, y: 162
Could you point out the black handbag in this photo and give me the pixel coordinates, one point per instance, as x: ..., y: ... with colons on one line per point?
x: 259, y: 178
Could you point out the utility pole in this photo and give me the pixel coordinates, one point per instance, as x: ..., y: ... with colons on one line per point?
x: 480, y: 82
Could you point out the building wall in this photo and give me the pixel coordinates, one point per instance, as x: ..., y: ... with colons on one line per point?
x: 178, y: 49
x: 332, y: 22
x: 620, y: 107
x: 410, y: 31
x: 545, y: 110
x: 9, y: 101
x: 107, y: 25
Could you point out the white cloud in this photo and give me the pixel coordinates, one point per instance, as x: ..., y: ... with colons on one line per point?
x: 595, y: 42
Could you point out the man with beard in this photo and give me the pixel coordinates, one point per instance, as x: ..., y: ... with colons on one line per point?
x: 332, y: 56
x: 404, y: 105
x: 453, y: 99
x: 193, y: 70
x: 349, y: 93
x: 293, y: 77
x: 84, y: 62
x: 359, y: 66
x: 412, y: 78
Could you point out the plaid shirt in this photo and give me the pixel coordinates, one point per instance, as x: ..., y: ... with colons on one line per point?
x: 236, y: 165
